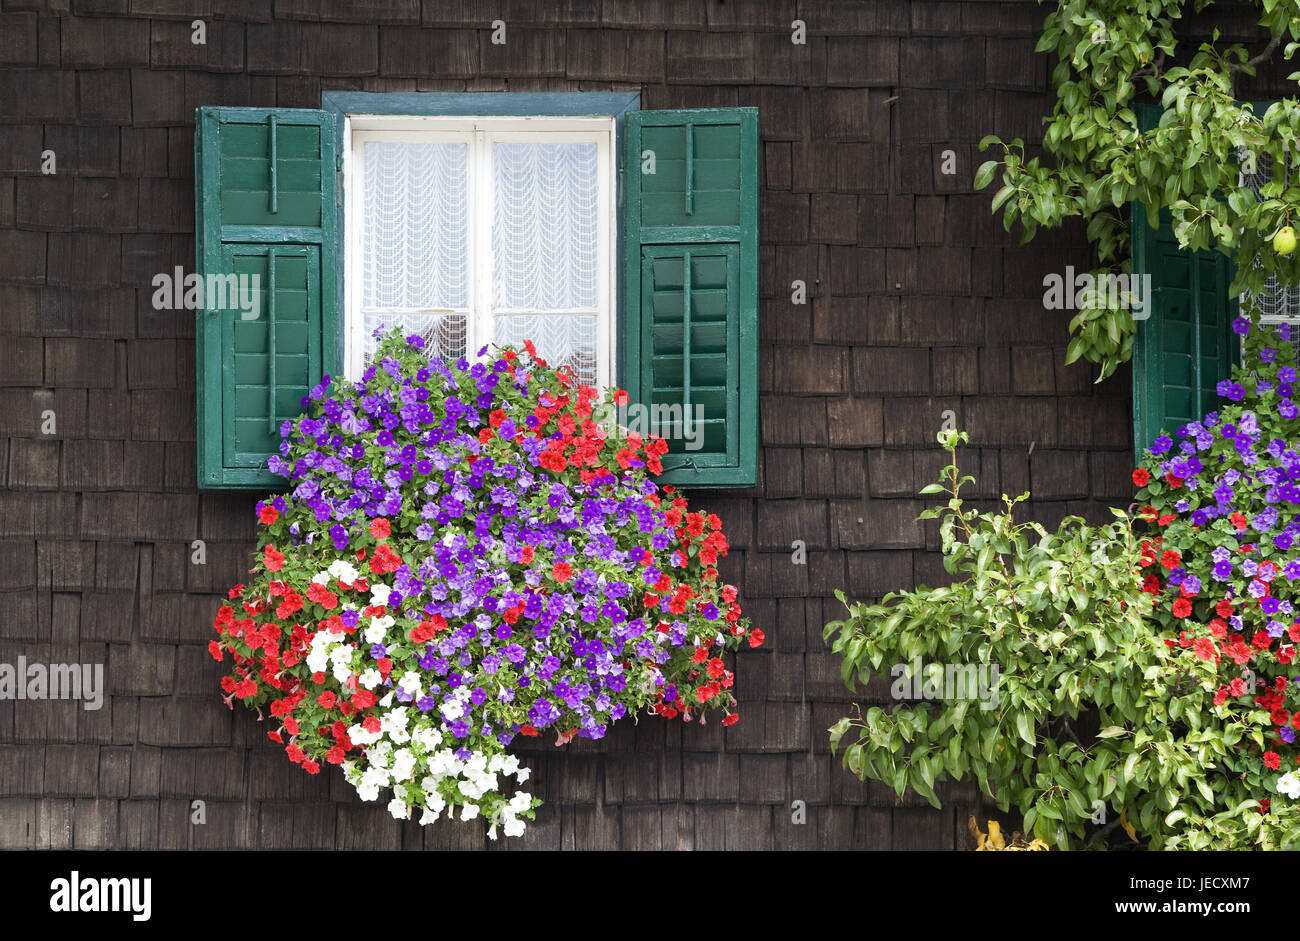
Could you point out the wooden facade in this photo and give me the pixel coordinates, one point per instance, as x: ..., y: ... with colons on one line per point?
x: 918, y: 303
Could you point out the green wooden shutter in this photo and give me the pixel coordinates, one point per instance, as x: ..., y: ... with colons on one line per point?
x: 690, y: 325
x: 265, y: 206
x: 1186, y: 345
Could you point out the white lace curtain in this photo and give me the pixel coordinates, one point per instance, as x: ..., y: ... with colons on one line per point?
x: 543, y: 244
x: 416, y: 235
x: 544, y: 226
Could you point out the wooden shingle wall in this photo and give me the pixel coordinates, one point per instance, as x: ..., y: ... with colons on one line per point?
x: 918, y: 303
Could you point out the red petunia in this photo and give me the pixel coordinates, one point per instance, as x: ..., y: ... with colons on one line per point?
x: 273, y: 558
x: 268, y: 515
x: 1141, y: 477
x: 385, y: 560
x: 730, y: 718
x: 380, y: 528
x: 1182, y: 608
x: 756, y: 638
x: 1171, y: 559
x: 1272, y: 759
x: 1203, y: 647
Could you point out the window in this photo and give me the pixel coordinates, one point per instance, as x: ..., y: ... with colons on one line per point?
x: 624, y: 243
x: 483, y: 230
x: 1277, y: 304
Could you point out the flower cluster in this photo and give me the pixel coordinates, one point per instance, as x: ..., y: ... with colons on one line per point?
x: 1222, y: 560
x: 464, y: 557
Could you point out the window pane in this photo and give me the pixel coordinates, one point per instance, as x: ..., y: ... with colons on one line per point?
x: 416, y: 251
x: 561, y: 339
x: 444, y: 334
x: 544, y: 226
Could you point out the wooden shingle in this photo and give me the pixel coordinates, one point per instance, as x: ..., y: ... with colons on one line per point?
x: 709, y: 57
x: 862, y: 61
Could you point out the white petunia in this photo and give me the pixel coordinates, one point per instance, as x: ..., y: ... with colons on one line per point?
x: 469, y: 812
x: 343, y: 571
x: 398, y: 809
x: 1289, y: 784
x: 403, y: 764
x: 452, y: 710
x: 321, y: 578
x: 513, y: 827
x: 410, y: 682
x: 428, y: 817
x: 379, y: 594
x: 371, y: 678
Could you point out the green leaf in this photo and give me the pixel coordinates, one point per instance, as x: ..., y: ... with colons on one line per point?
x: 1025, y: 727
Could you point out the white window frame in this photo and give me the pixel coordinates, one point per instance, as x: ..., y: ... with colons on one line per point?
x: 480, y: 133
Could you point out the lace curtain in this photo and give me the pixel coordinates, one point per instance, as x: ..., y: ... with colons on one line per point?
x: 561, y: 339
x: 416, y: 241
x: 543, y: 243
x: 544, y: 226
x: 544, y: 250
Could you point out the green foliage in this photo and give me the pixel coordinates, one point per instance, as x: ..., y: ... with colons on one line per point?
x: 1062, y: 616
x: 1110, y: 54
